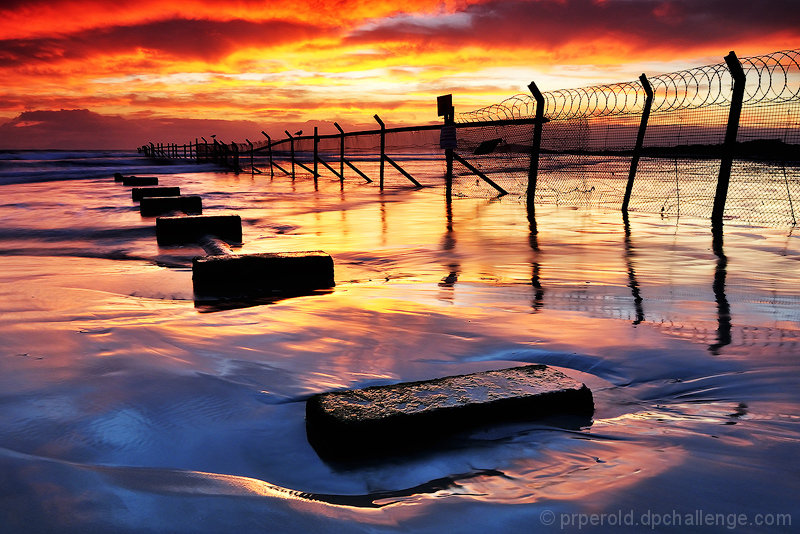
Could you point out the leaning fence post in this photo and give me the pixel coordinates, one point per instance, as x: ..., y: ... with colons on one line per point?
x: 316, y: 155
x: 383, y: 147
x: 291, y: 150
x: 533, y: 170
x: 637, y: 150
x: 729, y: 146
x: 341, y: 152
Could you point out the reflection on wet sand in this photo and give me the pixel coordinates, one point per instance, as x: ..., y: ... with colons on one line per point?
x: 723, y: 308
x: 632, y: 283
x: 125, y: 403
x: 449, y: 250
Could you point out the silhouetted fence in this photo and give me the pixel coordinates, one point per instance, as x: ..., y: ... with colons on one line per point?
x: 713, y: 141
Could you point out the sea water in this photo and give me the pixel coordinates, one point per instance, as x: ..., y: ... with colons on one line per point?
x: 126, y: 405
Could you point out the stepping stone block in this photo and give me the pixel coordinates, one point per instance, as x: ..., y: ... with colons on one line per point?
x: 138, y: 193
x: 383, y: 419
x: 191, y: 228
x: 139, y: 180
x: 256, y: 274
x: 150, y: 206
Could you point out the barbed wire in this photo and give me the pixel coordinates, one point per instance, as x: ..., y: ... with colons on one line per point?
x: 770, y: 78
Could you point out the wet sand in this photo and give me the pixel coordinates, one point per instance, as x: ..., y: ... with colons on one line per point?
x: 128, y: 406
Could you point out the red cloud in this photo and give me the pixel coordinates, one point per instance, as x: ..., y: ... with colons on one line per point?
x: 177, y: 38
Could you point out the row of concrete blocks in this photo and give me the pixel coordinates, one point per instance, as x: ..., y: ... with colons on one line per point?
x: 223, y: 273
x: 352, y: 425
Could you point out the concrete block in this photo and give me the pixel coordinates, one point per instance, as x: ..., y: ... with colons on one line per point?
x: 258, y: 274
x: 191, y: 228
x: 151, y: 206
x: 385, y: 419
x: 139, y: 180
x: 138, y: 193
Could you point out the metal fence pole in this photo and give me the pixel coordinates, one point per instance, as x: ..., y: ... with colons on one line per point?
x: 533, y: 170
x: 269, y: 150
x: 729, y: 146
x: 341, y: 152
x: 447, y: 138
x: 235, y: 150
x: 383, y: 148
x: 252, y: 165
x: 291, y: 150
x: 637, y: 150
x: 316, y: 155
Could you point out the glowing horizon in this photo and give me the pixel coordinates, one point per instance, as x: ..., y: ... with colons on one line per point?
x: 143, y: 68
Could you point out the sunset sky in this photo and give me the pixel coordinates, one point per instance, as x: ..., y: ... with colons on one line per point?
x: 99, y: 74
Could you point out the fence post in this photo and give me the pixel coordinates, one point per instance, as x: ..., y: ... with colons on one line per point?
x: 383, y: 147
x: 729, y: 146
x: 252, y: 165
x: 341, y: 153
x: 316, y: 155
x: 269, y: 150
x: 291, y: 150
x: 637, y: 149
x: 447, y: 139
x: 235, y: 150
x: 533, y: 170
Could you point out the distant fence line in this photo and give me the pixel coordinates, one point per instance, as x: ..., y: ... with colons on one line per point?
x: 712, y: 141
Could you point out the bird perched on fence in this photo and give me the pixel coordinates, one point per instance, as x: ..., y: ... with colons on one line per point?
x: 299, y: 132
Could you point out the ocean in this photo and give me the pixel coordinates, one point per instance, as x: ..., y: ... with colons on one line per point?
x: 129, y: 405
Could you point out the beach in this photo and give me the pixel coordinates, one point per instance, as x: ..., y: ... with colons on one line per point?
x: 130, y: 406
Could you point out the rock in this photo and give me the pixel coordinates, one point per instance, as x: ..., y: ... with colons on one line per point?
x: 386, y: 419
x: 258, y: 274
x: 137, y: 193
x: 139, y: 180
x: 191, y: 228
x: 150, y: 206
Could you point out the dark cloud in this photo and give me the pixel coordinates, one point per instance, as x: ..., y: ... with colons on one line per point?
x: 177, y: 38
x: 84, y: 129
x: 552, y: 25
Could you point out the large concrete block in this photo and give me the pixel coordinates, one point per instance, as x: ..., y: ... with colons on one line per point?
x: 151, y: 206
x: 385, y: 419
x: 191, y: 228
x: 139, y: 180
x: 258, y: 274
x: 138, y: 193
